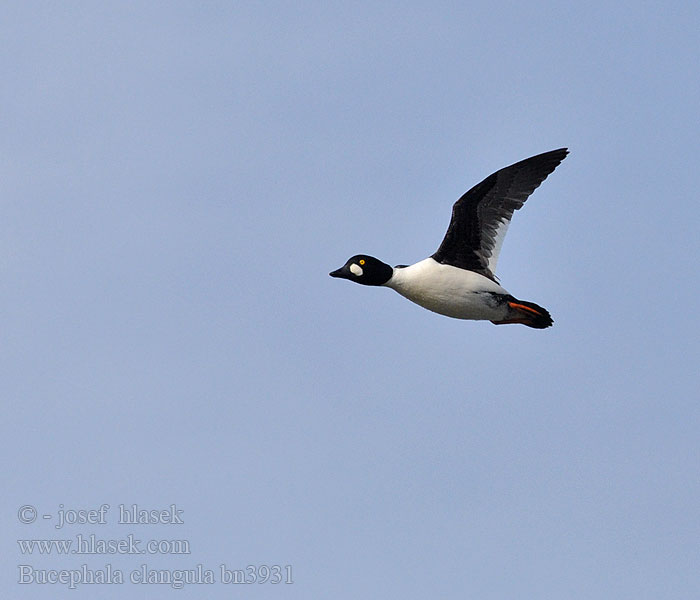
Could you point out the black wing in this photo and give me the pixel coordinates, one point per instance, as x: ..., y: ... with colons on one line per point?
x: 480, y: 217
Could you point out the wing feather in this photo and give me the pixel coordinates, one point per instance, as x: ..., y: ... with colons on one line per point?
x: 481, y: 217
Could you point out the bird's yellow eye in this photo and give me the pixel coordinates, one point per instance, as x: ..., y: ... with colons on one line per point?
x: 362, y: 261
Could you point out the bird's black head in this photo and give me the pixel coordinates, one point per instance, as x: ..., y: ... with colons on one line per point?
x: 364, y: 269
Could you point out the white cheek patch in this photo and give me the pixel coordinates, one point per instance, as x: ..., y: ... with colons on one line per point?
x: 356, y: 269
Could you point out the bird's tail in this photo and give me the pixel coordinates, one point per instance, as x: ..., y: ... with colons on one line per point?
x: 526, y: 313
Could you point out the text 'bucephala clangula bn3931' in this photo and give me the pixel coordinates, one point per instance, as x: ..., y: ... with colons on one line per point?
x: 458, y: 280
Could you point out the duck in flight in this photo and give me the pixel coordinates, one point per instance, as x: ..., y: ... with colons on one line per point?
x: 458, y: 280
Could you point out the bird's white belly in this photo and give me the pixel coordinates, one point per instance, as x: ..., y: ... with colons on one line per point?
x: 449, y: 291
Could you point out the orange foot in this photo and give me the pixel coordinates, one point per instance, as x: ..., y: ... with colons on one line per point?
x: 509, y: 321
x: 523, y: 307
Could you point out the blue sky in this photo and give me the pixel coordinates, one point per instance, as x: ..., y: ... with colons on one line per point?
x: 177, y: 181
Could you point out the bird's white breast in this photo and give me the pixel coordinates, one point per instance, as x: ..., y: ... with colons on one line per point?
x: 448, y: 290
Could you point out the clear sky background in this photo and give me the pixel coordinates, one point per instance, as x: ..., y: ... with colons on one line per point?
x: 178, y: 178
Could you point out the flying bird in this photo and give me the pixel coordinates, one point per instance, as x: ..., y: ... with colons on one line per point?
x: 459, y: 280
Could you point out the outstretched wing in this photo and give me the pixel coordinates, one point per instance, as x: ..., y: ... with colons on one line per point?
x: 481, y: 217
